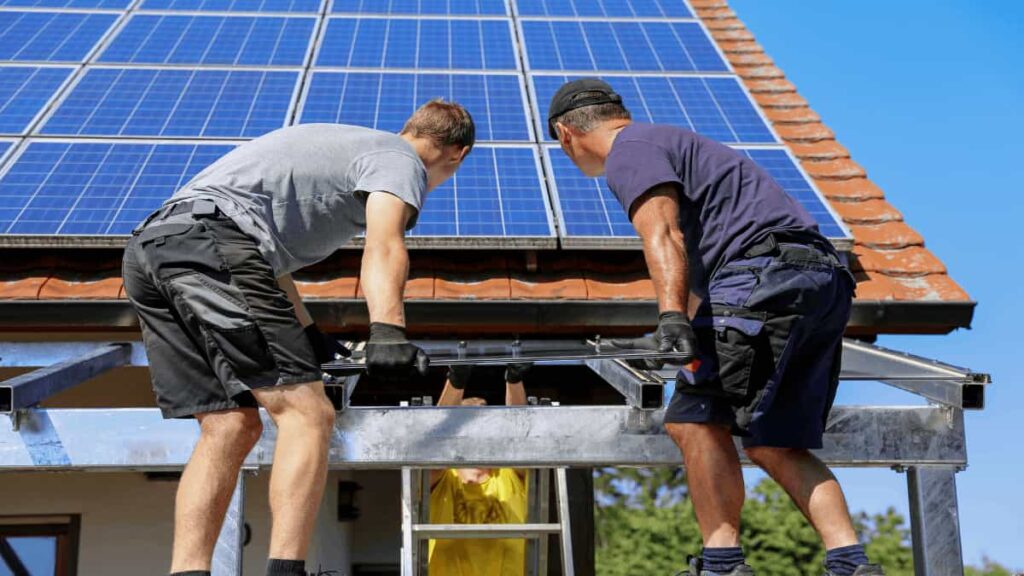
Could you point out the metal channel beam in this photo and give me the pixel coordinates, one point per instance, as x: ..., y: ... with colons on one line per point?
x: 227, y: 554
x: 641, y: 389
x: 31, y: 388
x: 935, y: 521
x: 941, y: 383
x: 425, y: 437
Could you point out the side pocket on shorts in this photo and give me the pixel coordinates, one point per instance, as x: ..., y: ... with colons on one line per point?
x: 219, y: 308
x: 727, y: 343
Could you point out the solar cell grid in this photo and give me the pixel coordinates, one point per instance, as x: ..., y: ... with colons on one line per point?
x: 586, y: 207
x: 94, y: 188
x: 424, y: 7
x: 604, y: 8
x: 234, y: 5
x: 51, y: 36
x: 24, y: 92
x: 76, y: 4
x: 224, y: 40
x: 385, y: 101
x: 620, y: 46
x: 175, y: 103
x: 716, y: 107
x: 440, y: 44
x: 495, y: 193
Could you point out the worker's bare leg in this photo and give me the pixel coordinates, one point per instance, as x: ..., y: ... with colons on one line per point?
x: 813, y: 488
x: 304, y: 418
x: 714, y: 478
x: 208, y: 482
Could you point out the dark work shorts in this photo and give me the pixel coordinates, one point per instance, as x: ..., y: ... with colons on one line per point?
x: 214, y: 321
x: 770, y: 346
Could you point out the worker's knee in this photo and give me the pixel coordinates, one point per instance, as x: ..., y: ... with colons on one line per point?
x: 771, y: 458
x: 684, y: 433
x: 240, y: 428
x: 303, y: 405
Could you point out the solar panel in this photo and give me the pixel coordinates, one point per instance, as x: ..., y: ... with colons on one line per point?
x: 604, y: 8
x: 94, y: 188
x: 716, y: 107
x: 439, y: 7
x: 227, y: 40
x: 440, y: 44
x: 386, y: 100
x: 175, y: 103
x: 234, y: 5
x: 24, y: 92
x: 496, y: 193
x: 51, y: 36
x: 590, y: 216
x: 5, y: 147
x: 78, y: 4
x: 621, y: 45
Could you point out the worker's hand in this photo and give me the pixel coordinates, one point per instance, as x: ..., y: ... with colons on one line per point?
x: 514, y: 372
x: 674, y: 333
x: 326, y: 348
x: 458, y: 376
x: 391, y: 356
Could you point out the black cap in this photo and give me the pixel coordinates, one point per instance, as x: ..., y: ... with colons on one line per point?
x: 571, y: 96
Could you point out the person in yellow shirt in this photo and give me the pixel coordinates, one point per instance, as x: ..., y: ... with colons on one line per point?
x: 479, y: 496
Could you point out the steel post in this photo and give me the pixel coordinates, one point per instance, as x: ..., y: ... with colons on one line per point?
x: 935, y: 521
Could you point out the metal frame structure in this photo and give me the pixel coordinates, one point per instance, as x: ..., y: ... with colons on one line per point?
x: 928, y: 442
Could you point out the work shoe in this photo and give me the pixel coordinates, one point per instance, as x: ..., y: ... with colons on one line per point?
x: 863, y: 570
x: 697, y: 569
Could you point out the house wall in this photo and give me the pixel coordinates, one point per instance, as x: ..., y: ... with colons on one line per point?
x: 127, y: 520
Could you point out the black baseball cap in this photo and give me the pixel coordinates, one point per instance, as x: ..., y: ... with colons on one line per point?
x: 577, y: 94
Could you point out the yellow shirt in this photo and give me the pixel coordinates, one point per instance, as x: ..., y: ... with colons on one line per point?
x: 501, y: 499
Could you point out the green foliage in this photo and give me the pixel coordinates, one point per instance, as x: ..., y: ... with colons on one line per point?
x: 989, y: 568
x: 645, y: 526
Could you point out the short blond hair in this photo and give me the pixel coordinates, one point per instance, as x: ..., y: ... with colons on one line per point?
x: 446, y: 123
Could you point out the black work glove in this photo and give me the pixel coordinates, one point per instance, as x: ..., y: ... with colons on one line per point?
x: 514, y: 373
x: 674, y: 333
x: 391, y: 356
x: 326, y: 348
x: 459, y: 375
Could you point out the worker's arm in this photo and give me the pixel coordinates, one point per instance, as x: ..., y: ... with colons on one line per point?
x: 389, y: 354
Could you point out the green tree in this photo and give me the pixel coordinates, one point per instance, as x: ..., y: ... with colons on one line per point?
x: 989, y: 568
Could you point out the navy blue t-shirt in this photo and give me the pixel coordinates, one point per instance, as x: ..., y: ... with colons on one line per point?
x: 727, y: 203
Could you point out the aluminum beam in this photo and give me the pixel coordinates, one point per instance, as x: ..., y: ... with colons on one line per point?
x: 935, y: 521
x: 641, y: 389
x: 31, y: 388
x: 227, y: 554
x: 489, y: 436
x: 939, y: 382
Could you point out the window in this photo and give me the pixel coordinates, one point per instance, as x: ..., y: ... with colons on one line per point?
x: 38, y: 545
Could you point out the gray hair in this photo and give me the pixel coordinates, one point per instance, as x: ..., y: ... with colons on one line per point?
x: 587, y: 118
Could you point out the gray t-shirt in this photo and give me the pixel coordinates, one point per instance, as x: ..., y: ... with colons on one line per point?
x: 300, y: 191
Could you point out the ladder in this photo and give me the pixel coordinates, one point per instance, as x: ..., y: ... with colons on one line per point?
x: 417, y: 531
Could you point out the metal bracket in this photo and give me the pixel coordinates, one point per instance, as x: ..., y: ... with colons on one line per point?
x: 29, y: 389
x: 640, y: 388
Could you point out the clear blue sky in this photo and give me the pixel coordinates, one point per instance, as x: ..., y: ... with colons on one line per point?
x: 927, y: 96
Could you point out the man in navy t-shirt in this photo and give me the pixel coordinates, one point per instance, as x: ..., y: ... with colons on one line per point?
x: 749, y: 289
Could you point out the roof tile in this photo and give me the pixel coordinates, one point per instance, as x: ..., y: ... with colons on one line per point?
x: 839, y: 169
x: 723, y: 23
x: 821, y: 150
x: 769, y: 72
x: 874, y: 211
x: 327, y: 286
x: 22, y: 285
x: 749, y: 59
x: 768, y: 100
x: 812, y: 132
x: 907, y: 262
x: 553, y: 278
x: 467, y: 276
x: 791, y: 115
x: 887, y: 235
x: 848, y: 190
x: 708, y: 4
x: 771, y: 86
x: 715, y: 12
x: 82, y: 286
x: 740, y: 47
x: 732, y: 35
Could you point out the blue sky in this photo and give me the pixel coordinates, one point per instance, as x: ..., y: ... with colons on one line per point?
x: 927, y: 96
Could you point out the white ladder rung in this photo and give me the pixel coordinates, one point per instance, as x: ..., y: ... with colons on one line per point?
x: 452, y: 531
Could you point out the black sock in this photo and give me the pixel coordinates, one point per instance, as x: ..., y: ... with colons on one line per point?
x: 722, y: 559
x: 278, y: 567
x: 845, y: 560
x: 192, y: 573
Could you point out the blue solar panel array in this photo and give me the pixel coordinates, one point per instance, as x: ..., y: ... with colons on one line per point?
x: 109, y: 105
x: 467, y: 44
x: 228, y: 40
x: 385, y: 100
x: 620, y: 46
x: 716, y: 107
x: 24, y: 91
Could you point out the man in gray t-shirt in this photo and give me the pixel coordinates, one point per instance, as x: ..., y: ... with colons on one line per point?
x: 226, y: 331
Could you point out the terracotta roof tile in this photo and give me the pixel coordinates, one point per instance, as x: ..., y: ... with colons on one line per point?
x: 821, y: 150
x: 717, y: 22
x: 708, y: 4
x: 748, y: 59
x: 812, y: 132
x: 795, y: 115
x: 22, y: 285
x: 839, y: 169
x: 472, y: 276
x: 551, y: 279
x: 849, y: 190
x: 906, y: 262
x: 769, y: 72
x: 715, y: 12
x: 740, y: 47
x: 732, y: 35
x: 83, y: 286
x: 887, y: 235
x: 875, y: 211
x: 781, y: 99
x: 772, y: 86
x: 326, y: 286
